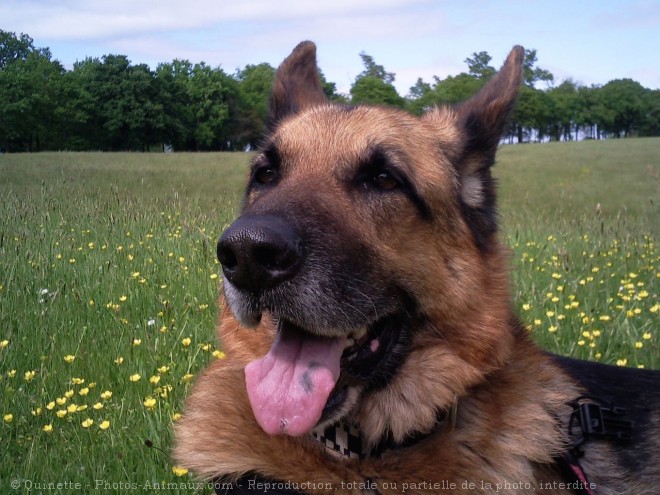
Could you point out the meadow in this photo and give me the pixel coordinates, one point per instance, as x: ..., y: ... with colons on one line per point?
x: 108, y: 283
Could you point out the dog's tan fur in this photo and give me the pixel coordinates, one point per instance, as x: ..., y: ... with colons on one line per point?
x: 511, y: 397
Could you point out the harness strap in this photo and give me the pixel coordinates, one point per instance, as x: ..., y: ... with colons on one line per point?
x: 574, y: 474
x: 591, y: 419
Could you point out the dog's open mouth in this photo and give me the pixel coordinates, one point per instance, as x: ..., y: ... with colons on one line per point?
x: 304, y: 377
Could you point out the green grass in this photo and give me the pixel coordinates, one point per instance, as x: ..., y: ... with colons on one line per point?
x: 581, y: 219
x: 110, y: 258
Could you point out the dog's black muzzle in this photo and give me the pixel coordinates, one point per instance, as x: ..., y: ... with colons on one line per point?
x: 259, y: 252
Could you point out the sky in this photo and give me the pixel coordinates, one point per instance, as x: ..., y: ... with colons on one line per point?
x: 588, y: 41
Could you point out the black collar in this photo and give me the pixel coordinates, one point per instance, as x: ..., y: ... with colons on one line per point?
x: 346, y: 440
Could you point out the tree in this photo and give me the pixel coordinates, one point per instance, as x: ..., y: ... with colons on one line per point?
x: 374, y: 91
x: 622, y: 104
x: 478, y: 65
x: 330, y: 89
x: 207, y: 92
x: 14, y: 48
x: 455, y: 89
x: 532, y: 74
x: 30, y: 95
x: 532, y: 110
x: 565, y: 110
x: 420, y: 97
x: 372, y: 69
x: 374, y: 85
x: 532, y: 115
x: 173, y: 81
x: 254, y: 85
x: 586, y: 111
x: 651, y: 124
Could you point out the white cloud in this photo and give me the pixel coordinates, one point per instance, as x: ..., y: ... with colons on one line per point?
x: 412, y: 38
x: 79, y: 20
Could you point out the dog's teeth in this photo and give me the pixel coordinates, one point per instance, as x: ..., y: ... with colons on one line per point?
x: 359, y: 334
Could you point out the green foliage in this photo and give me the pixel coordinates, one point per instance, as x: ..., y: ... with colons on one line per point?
x: 13, y: 48
x: 623, y: 103
x: 31, y: 93
x: 255, y: 82
x: 375, y: 91
x: 374, y: 85
x: 372, y: 69
x: 110, y: 104
x: 532, y: 74
x: 478, y: 65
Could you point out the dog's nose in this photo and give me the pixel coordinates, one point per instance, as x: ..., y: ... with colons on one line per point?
x: 258, y: 252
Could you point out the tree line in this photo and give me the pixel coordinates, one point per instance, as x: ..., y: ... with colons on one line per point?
x: 110, y: 104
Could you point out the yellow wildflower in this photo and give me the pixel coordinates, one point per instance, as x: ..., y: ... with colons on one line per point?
x: 179, y: 471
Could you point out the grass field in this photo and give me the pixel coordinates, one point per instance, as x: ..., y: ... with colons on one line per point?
x: 108, y: 282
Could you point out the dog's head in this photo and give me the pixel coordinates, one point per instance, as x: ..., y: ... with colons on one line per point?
x: 368, y: 236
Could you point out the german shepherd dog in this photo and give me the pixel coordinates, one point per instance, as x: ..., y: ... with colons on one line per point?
x: 371, y: 342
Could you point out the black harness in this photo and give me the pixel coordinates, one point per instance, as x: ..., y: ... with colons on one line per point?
x: 591, y: 419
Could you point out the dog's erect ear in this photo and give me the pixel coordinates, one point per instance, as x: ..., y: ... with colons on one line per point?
x: 482, y: 120
x: 483, y: 117
x: 297, y: 84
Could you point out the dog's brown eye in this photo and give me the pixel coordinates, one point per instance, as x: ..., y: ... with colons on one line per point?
x: 385, y: 181
x: 265, y: 175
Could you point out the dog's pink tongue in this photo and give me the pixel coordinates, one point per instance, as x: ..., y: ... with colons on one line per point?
x: 289, y: 387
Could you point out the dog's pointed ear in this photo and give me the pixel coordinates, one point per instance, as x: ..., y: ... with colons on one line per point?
x: 482, y: 118
x: 297, y: 84
x: 481, y: 122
